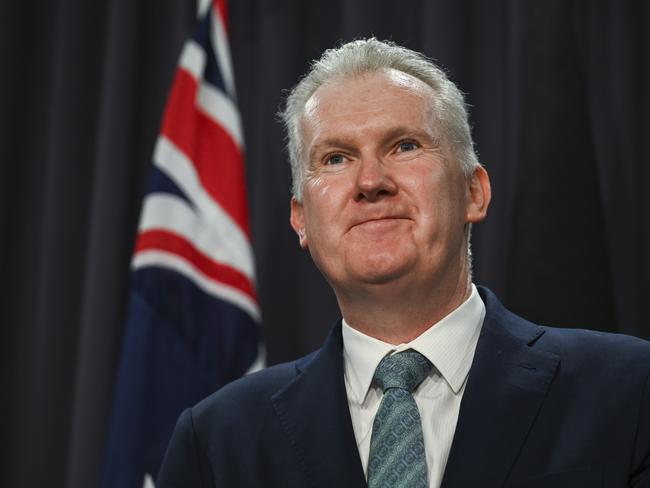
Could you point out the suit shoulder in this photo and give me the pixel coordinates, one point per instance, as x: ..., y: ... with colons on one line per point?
x: 254, y: 387
x: 582, y: 343
x: 249, y: 395
x: 243, y: 408
x: 582, y: 352
x: 610, y: 358
x: 594, y: 341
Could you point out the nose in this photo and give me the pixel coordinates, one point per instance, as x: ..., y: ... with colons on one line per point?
x: 373, y: 180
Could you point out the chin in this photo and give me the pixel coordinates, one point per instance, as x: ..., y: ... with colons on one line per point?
x: 379, y: 271
x: 378, y: 279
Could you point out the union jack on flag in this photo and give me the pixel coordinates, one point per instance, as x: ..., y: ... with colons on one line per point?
x: 193, y: 318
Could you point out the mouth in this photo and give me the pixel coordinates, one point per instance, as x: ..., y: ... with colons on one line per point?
x: 378, y: 223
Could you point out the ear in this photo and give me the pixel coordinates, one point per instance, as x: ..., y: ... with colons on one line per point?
x: 479, y: 195
x: 297, y: 220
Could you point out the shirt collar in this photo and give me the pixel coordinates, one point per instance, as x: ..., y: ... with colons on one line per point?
x: 449, y: 345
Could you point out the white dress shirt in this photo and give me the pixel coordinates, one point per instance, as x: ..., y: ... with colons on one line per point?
x: 450, y: 346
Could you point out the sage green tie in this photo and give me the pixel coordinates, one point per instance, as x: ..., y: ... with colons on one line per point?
x: 397, y: 458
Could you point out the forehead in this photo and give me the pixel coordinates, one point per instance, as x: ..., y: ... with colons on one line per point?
x: 390, y: 80
x: 387, y: 96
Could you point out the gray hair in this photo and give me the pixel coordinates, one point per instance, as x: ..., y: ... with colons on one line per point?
x: 371, y: 55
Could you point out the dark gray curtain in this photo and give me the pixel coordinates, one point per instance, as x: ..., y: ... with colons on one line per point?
x: 83, y: 88
x: 560, y: 103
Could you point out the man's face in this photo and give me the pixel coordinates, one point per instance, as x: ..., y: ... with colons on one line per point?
x: 383, y: 200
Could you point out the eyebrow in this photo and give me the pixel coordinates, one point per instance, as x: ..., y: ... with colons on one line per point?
x: 332, y: 142
x: 389, y: 136
x: 397, y: 132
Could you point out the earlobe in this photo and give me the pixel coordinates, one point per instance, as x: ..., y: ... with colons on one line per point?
x: 297, y: 220
x: 479, y: 195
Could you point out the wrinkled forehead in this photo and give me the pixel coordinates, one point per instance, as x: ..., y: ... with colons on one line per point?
x: 388, y: 77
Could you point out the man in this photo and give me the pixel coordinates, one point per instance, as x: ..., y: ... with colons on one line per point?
x: 427, y: 380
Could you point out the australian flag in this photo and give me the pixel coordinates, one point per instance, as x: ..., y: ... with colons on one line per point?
x: 193, y: 319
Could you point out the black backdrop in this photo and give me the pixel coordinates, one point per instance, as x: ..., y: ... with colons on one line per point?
x: 560, y: 103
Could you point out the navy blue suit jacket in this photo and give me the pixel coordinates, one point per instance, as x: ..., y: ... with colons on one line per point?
x: 543, y: 407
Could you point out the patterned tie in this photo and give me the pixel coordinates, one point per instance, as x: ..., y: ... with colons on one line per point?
x: 397, y: 458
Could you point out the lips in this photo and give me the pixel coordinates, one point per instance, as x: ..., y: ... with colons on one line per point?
x: 378, y: 221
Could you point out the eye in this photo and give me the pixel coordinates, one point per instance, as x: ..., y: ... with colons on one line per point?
x: 405, y: 146
x: 334, y: 159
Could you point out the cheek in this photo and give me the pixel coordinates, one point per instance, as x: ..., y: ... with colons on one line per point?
x: 439, y: 201
x: 321, y: 189
x: 325, y: 197
x: 321, y: 216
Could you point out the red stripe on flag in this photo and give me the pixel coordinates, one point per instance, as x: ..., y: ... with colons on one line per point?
x: 222, y: 7
x: 217, y: 159
x: 161, y: 240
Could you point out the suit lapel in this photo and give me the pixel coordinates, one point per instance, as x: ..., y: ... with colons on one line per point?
x: 314, y: 414
x: 506, y: 387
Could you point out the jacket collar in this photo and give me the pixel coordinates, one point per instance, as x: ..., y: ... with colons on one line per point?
x: 506, y: 387
x: 313, y: 410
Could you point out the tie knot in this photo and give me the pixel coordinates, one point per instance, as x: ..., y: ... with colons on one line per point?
x: 404, y: 370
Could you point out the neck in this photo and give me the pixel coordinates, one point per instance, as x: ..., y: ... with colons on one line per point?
x: 397, y: 314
